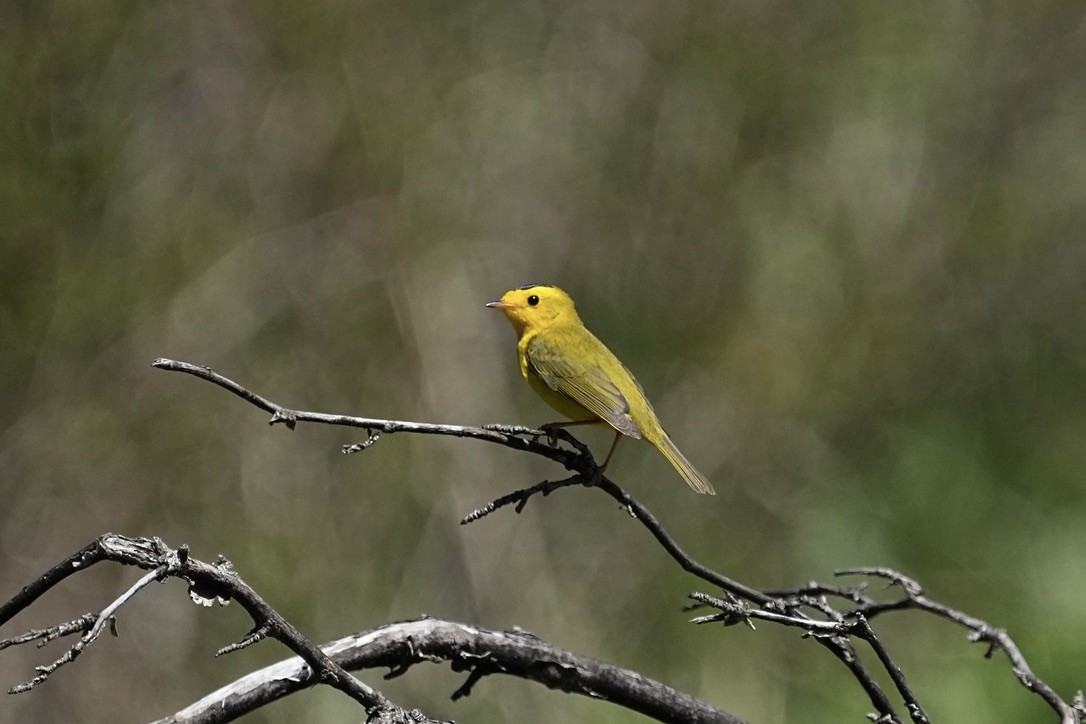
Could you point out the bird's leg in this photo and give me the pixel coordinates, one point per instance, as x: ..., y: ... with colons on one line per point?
x: 618, y: 436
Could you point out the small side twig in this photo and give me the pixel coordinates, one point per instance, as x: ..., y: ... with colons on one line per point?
x: 256, y: 635
x: 371, y: 438
x: 44, y: 635
x: 106, y: 616
x: 980, y: 631
x: 521, y: 497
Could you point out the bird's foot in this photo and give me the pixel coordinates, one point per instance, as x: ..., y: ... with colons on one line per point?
x: 554, y: 432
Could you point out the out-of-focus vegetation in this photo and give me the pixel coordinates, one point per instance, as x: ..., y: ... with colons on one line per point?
x: 841, y: 245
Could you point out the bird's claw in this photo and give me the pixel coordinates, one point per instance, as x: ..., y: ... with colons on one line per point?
x: 552, y: 430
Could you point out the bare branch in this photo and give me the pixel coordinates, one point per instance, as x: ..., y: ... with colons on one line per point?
x: 839, y: 646
x: 520, y: 497
x: 78, y: 561
x: 80, y: 625
x: 95, y: 630
x: 257, y: 635
x: 480, y: 652
x: 579, y: 461
x: 517, y: 438
x: 980, y: 631
x: 205, y: 581
x: 398, y: 646
x: 834, y: 630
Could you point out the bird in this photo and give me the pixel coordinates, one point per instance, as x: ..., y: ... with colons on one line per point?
x: 575, y: 373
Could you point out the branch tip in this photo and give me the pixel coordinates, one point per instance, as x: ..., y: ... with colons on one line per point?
x: 478, y: 513
x: 255, y: 635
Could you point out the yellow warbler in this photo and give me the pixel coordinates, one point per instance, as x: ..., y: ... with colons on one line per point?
x: 579, y: 377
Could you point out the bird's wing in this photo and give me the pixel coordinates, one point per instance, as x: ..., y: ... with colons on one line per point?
x: 586, y: 383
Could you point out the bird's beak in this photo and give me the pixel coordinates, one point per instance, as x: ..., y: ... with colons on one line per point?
x: 497, y: 305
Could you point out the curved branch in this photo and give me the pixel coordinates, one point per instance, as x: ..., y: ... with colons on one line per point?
x: 399, y: 646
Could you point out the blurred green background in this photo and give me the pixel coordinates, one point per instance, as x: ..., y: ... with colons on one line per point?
x: 841, y: 245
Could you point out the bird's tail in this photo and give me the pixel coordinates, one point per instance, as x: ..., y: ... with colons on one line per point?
x: 690, y: 474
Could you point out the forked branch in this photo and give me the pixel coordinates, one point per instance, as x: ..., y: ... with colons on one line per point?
x: 808, y: 607
x: 398, y: 647
x: 207, y: 583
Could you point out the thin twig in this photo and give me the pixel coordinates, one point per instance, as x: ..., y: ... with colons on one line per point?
x: 44, y: 635
x: 862, y: 629
x: 521, y: 497
x: 980, y: 631
x: 513, y: 437
x: 101, y: 619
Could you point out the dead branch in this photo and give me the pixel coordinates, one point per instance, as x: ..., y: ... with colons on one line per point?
x: 398, y: 647
x: 207, y: 583
x: 480, y: 652
x: 808, y: 606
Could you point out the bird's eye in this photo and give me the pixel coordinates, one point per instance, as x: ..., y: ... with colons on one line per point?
x: 533, y: 300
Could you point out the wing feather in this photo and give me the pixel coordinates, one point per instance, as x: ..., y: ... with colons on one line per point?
x: 585, y: 383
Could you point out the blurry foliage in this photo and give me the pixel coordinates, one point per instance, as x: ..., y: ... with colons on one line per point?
x: 841, y: 246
